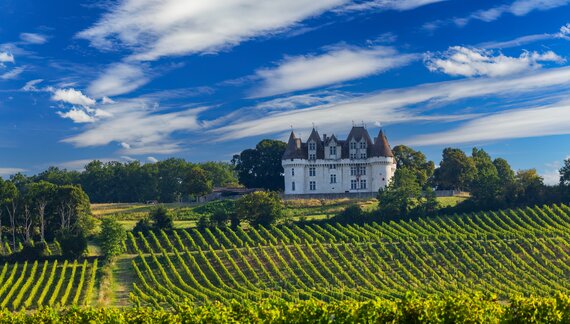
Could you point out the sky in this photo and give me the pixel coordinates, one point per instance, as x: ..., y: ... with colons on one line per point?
x: 203, y: 80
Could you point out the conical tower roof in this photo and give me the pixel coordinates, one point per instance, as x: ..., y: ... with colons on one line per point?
x: 381, y: 146
x: 293, y: 150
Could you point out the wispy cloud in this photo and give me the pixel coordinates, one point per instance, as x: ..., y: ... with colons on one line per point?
x: 463, y: 61
x: 6, y: 57
x: 118, y: 79
x: 338, y: 64
x: 13, y: 73
x: 399, y: 5
x: 516, y: 123
x: 72, y: 96
x: 393, y: 106
x: 153, y: 29
x: 516, y: 8
x: 33, y: 38
x: 564, y: 33
x: 4, y: 172
x: 138, y: 126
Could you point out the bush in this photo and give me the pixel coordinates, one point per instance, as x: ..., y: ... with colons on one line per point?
x: 351, y: 214
x: 72, y: 244
x: 143, y: 225
x: 260, y: 208
x: 111, y: 237
x: 204, y: 222
x: 32, y: 251
x: 162, y: 219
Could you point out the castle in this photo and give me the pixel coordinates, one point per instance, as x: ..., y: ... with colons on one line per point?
x: 328, y: 165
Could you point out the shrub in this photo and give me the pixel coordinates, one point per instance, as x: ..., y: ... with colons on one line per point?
x: 143, y: 225
x: 111, y: 237
x: 260, y: 208
x: 32, y: 251
x: 72, y: 244
x: 351, y: 214
x: 162, y: 219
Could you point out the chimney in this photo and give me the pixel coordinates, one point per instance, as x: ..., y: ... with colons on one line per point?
x: 324, y: 137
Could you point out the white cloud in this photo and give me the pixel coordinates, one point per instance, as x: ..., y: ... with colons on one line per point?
x: 153, y: 28
x: 12, y: 74
x: 336, y: 65
x: 118, y: 79
x: 140, y: 123
x: 77, y: 115
x: 106, y: 100
x: 32, y: 38
x: 31, y: 85
x: 391, y: 106
x: 72, y: 96
x: 470, y: 62
x: 6, y: 57
x: 516, y: 123
x: 4, y: 172
x: 126, y: 146
x: 303, y: 100
x: 399, y: 5
x: 152, y: 159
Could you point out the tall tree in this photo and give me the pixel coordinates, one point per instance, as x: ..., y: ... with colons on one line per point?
x: 415, y: 161
x: 565, y: 173
x: 485, y: 186
x: 402, y: 195
x: 40, y: 194
x: 196, y: 182
x: 456, y: 170
x: 261, y: 167
x: 10, y: 200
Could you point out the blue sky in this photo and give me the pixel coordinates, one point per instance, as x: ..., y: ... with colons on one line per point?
x: 203, y: 80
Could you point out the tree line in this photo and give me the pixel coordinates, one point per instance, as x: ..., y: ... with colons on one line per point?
x: 166, y: 181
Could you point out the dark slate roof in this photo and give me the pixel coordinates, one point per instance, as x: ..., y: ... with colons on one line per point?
x: 381, y: 146
x: 296, y: 149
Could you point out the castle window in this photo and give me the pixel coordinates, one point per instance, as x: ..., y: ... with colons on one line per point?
x: 353, y: 155
x: 333, y: 178
x: 362, y: 170
x: 363, y: 184
x: 353, y: 170
x: 332, y: 166
x: 363, y: 155
x: 312, y: 185
x: 293, y: 186
x: 312, y: 156
x: 362, y: 145
x: 352, y: 145
x: 312, y: 172
x: 353, y: 184
x: 312, y: 146
x: 332, y: 150
x: 293, y: 172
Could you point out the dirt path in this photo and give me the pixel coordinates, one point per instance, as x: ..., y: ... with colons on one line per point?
x: 123, y: 276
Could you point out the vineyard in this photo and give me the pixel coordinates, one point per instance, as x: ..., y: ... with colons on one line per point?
x: 505, y: 253
x: 30, y: 285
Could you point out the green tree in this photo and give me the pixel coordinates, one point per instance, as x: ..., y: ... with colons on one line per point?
x: 415, y: 161
x: 111, y: 237
x: 221, y: 174
x: 485, y: 186
x: 401, y: 196
x: 456, y: 170
x: 196, y: 182
x: 565, y: 173
x: 40, y: 195
x: 261, y: 167
x: 161, y: 218
x: 260, y: 208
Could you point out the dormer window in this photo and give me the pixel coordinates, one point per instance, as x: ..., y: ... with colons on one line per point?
x: 363, y: 145
x: 312, y: 146
x: 332, y: 150
x: 312, y: 156
x: 353, y: 145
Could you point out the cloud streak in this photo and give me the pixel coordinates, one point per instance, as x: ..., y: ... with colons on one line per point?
x: 338, y: 64
x: 470, y: 62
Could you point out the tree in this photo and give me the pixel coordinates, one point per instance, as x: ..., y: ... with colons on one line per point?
x: 73, y: 209
x: 485, y: 186
x: 261, y: 167
x: 401, y: 196
x: 529, y: 186
x: 111, y: 237
x: 161, y: 218
x: 456, y: 170
x: 565, y: 173
x: 221, y: 174
x: 414, y: 161
x: 73, y: 243
x: 40, y: 194
x: 9, y: 200
x: 260, y: 208
x: 196, y: 182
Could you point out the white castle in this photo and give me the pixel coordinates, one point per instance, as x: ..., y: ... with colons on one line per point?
x: 330, y: 166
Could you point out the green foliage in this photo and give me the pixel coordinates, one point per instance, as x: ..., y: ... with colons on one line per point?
x: 143, y: 225
x: 402, y: 195
x: 261, y: 167
x: 456, y: 170
x: 414, y: 161
x: 31, y: 251
x: 111, y: 237
x: 351, y: 214
x: 565, y: 173
x: 260, y: 208
x: 196, y: 182
x: 161, y: 218
x: 73, y: 244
